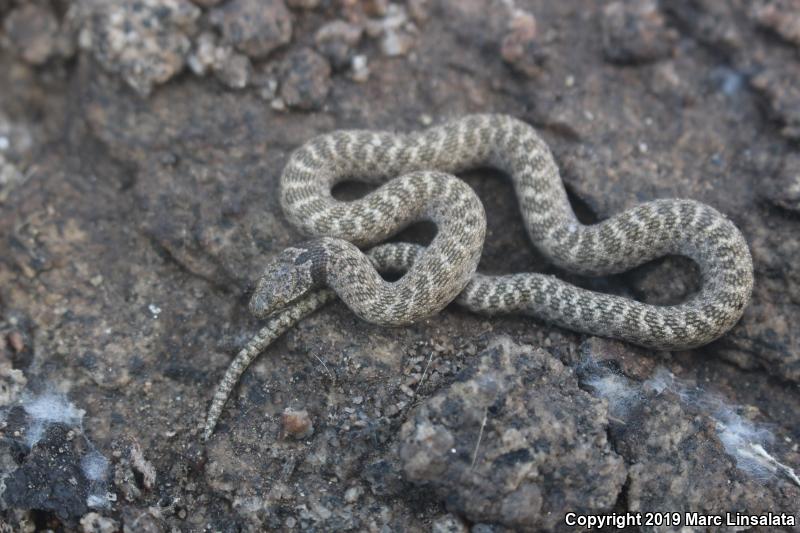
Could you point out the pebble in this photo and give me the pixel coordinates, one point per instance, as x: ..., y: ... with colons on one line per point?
x: 521, y: 48
x: 229, y: 67
x: 254, y: 27
x: 352, y: 494
x: 305, y: 79
x: 336, y: 41
x: 297, y: 423
x: 32, y: 31
x: 96, y: 523
x: 359, y: 68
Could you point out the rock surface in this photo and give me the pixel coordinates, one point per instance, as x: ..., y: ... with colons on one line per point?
x: 513, y: 441
x: 141, y: 144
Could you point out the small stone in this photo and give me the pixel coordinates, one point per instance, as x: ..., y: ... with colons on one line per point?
x: 352, y: 494
x: 396, y: 43
x: 207, y: 3
x: 448, y: 524
x: 419, y: 10
x: 143, y: 466
x: 12, y: 383
x: 32, y: 30
x: 336, y: 40
x: 96, y: 523
x: 229, y: 67
x: 375, y: 8
x: 396, y: 32
x: 359, y: 68
x: 297, y: 424
x: 235, y: 73
x: 305, y: 79
x: 634, y: 31
x: 278, y: 104
x: 16, y: 341
x: 254, y: 27
x: 520, y: 47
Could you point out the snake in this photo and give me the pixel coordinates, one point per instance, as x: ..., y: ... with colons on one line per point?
x: 415, y: 178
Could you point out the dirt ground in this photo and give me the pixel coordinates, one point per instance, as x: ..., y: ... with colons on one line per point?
x: 141, y: 144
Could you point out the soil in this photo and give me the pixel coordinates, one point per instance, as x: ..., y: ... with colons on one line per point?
x: 141, y: 145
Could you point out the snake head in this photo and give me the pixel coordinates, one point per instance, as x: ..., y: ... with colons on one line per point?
x: 287, y: 278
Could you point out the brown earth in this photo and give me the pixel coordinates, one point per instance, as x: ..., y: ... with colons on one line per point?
x: 141, y: 143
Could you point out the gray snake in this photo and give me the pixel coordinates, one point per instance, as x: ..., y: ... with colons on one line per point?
x: 414, y: 172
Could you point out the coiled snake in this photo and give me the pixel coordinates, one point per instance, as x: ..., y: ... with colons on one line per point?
x: 415, y: 172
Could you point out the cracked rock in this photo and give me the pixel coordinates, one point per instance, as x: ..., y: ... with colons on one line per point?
x: 514, y: 441
x: 254, y: 27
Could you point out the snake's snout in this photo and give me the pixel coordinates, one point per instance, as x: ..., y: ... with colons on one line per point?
x: 281, y: 284
x: 274, y: 290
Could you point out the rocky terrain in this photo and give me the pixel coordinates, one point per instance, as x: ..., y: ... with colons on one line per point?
x: 141, y: 143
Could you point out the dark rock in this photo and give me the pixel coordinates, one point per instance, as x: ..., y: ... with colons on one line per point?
x: 499, y: 444
x: 635, y: 31
x: 305, y: 79
x: 669, y: 430
x: 254, y: 27
x: 50, y: 478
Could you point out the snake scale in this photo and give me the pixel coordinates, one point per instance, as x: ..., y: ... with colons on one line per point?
x: 415, y: 176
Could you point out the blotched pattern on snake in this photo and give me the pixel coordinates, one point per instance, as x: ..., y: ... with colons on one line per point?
x: 416, y: 183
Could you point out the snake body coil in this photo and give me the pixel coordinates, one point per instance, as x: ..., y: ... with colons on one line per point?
x: 647, y: 231
x: 414, y: 171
